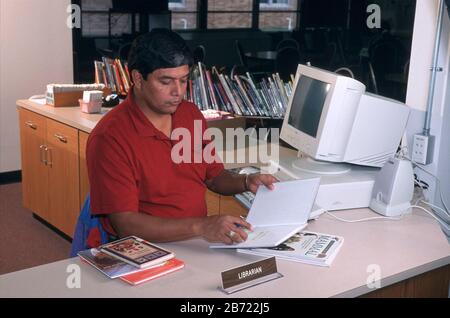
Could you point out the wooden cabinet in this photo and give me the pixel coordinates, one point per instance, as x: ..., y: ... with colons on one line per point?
x: 50, y: 170
x: 34, y: 170
x: 230, y: 206
x: 224, y: 205
x: 63, y: 180
x: 84, y: 179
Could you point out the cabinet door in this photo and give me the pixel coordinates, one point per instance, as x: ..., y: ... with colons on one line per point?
x: 84, y: 179
x: 34, y: 169
x: 64, y: 182
x: 230, y: 206
x: 212, y: 202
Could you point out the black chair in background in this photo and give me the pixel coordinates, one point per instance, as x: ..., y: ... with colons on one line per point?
x: 288, y: 43
x: 199, y: 54
x: 124, y: 51
x: 241, y: 54
x: 287, y: 61
x: 387, y: 61
x: 238, y: 70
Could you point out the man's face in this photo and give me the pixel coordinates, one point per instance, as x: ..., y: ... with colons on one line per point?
x: 164, y: 89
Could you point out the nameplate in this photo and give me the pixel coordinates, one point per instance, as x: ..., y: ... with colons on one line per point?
x: 249, y: 275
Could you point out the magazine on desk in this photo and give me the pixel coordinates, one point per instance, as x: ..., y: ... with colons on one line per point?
x: 114, y: 268
x: 305, y: 247
x: 108, y: 265
x: 278, y: 214
x: 136, y: 251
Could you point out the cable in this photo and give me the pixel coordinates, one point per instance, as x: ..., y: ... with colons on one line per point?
x: 446, y: 226
x: 366, y: 219
x: 438, y: 181
x: 421, y: 196
x: 435, y: 207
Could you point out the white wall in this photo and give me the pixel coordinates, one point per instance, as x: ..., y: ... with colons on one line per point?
x: 417, y: 94
x: 35, y: 49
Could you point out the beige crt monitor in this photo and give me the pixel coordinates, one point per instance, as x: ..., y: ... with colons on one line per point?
x: 343, y: 135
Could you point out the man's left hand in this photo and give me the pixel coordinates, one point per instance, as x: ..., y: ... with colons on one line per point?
x: 256, y: 179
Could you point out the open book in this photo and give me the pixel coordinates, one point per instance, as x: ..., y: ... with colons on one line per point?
x: 305, y: 247
x: 278, y: 214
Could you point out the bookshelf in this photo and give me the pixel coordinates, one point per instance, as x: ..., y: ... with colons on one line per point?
x: 212, y: 90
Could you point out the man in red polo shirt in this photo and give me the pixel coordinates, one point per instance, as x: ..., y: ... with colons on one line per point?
x: 135, y: 184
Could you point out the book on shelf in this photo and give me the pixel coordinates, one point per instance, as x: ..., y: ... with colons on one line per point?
x: 149, y: 274
x: 136, y: 251
x: 114, y: 74
x: 306, y: 247
x: 211, y: 89
x: 240, y: 94
x: 276, y: 215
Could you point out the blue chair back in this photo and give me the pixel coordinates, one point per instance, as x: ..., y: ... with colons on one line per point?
x: 89, y: 232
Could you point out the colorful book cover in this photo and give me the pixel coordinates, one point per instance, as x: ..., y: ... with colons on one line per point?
x: 108, y: 265
x: 136, y: 251
x: 146, y: 275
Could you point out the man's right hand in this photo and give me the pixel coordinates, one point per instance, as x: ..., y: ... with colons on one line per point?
x: 225, y: 229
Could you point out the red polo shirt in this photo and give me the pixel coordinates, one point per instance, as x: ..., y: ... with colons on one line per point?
x: 130, y: 166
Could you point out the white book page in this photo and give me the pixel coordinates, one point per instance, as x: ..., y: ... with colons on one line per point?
x: 265, y: 236
x: 289, y: 203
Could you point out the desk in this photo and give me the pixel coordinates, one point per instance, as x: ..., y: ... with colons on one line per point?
x: 402, y: 249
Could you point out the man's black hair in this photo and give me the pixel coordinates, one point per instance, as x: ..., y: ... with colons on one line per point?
x: 160, y: 48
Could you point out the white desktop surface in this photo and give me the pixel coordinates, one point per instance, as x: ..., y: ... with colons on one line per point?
x: 402, y: 249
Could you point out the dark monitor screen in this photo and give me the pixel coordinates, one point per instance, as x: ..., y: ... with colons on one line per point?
x: 307, y: 105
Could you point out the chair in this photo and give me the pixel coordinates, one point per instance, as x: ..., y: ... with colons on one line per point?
x: 124, y: 51
x: 89, y: 232
x: 288, y: 43
x: 238, y: 70
x: 330, y: 55
x: 387, y: 60
x: 287, y: 61
x: 241, y: 53
x: 199, y: 54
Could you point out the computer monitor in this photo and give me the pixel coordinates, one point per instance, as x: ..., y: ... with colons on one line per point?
x: 332, y: 120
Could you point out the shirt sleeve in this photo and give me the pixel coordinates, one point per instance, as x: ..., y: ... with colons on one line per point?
x: 113, y: 186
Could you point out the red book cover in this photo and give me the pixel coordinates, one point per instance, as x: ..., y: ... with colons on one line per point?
x: 119, y: 79
x: 169, y: 266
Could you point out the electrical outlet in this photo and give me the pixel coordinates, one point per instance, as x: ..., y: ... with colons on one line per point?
x: 423, y: 148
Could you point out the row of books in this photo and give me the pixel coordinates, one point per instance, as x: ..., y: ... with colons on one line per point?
x: 114, y: 74
x: 211, y: 90
x: 132, y: 259
x: 240, y: 94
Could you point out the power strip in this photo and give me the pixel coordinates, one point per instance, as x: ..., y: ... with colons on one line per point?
x: 423, y: 148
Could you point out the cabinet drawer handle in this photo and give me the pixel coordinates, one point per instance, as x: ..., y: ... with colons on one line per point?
x: 42, y: 155
x: 61, y: 138
x: 49, y: 157
x: 31, y: 125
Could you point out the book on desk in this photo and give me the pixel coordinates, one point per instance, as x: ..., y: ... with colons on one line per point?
x: 116, y: 267
x: 278, y: 214
x: 305, y: 247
